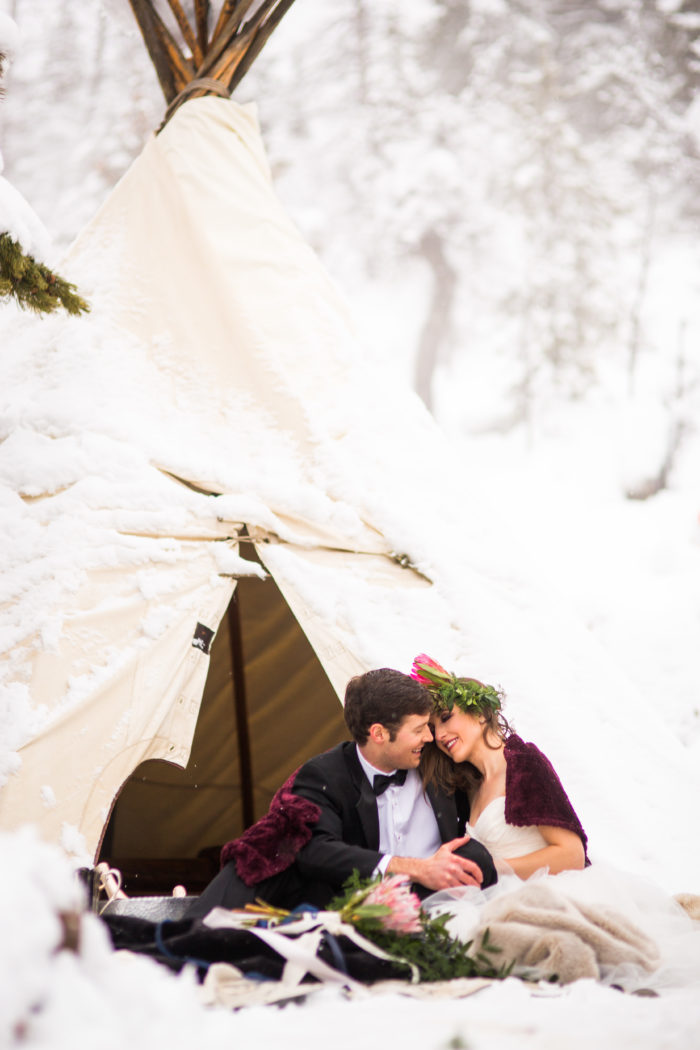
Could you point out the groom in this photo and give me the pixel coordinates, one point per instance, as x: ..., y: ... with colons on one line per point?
x: 361, y: 806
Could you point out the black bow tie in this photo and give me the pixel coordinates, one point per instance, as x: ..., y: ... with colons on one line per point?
x: 382, y: 780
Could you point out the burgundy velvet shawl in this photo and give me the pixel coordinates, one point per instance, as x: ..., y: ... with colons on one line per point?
x: 271, y: 844
x: 534, y: 792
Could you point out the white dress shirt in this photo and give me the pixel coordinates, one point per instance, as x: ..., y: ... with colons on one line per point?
x: 407, y: 824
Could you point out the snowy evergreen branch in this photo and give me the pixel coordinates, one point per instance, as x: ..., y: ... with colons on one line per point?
x: 34, y: 285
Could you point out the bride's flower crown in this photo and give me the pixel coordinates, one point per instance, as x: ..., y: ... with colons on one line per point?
x: 447, y: 689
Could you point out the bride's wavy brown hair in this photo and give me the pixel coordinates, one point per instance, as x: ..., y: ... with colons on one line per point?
x: 437, y: 768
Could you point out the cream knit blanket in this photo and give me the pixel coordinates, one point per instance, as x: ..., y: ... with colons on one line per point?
x: 541, y: 930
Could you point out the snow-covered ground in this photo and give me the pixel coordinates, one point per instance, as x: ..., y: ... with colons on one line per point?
x: 53, y: 999
x: 627, y: 573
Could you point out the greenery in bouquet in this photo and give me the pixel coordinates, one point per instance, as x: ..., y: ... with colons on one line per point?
x: 389, y: 914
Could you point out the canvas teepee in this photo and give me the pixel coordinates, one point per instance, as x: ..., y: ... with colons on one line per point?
x: 219, y: 384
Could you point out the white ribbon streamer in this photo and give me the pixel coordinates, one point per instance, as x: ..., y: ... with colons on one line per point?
x: 301, y: 951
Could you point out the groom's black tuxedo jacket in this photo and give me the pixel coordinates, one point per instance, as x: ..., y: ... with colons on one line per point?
x: 344, y: 838
x: 347, y: 833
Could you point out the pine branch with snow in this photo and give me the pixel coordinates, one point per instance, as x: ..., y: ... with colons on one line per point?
x: 33, y: 284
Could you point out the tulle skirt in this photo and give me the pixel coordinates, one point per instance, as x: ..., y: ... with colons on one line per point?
x: 661, y: 942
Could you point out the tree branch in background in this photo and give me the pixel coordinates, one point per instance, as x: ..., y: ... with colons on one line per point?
x: 33, y: 285
x: 645, y: 253
x: 653, y: 485
x: 679, y: 428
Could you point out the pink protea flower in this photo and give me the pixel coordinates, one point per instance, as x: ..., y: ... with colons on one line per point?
x: 425, y: 670
x: 394, y: 892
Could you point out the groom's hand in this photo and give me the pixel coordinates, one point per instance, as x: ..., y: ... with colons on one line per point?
x: 442, y: 870
x: 446, y: 869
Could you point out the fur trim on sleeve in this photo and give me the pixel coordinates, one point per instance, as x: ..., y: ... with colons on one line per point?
x: 271, y: 845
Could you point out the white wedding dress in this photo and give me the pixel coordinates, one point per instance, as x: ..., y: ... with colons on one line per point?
x: 658, y: 932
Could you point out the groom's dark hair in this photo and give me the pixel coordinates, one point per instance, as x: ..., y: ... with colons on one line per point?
x: 385, y: 696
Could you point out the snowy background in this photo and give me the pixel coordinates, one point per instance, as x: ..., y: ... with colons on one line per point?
x: 507, y: 194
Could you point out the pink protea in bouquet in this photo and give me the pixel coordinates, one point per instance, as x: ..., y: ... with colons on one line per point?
x: 380, y: 904
x: 394, y: 893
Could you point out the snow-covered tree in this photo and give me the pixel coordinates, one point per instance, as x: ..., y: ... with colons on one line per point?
x: 521, y: 166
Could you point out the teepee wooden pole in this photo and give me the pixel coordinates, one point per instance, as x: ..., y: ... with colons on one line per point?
x: 240, y: 702
x: 238, y: 46
x: 229, y: 37
x: 219, y: 62
x: 201, y: 20
x: 173, y: 69
x: 230, y: 18
x: 188, y: 34
x: 260, y: 38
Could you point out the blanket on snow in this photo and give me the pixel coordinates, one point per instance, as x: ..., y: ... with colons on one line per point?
x: 548, y: 936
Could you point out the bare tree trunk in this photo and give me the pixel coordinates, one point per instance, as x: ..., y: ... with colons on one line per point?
x: 438, y: 321
x: 642, y: 282
x: 678, y: 428
x: 98, y: 68
x: 362, y: 32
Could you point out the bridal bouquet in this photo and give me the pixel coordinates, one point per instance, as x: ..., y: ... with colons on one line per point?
x: 388, y: 913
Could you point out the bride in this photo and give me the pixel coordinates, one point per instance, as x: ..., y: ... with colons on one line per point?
x: 552, y: 914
